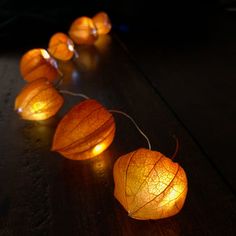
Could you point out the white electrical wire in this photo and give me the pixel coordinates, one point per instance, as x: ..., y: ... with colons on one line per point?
x: 136, y: 125
x: 74, y: 94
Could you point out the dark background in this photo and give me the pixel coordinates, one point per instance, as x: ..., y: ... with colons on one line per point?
x: 24, y: 22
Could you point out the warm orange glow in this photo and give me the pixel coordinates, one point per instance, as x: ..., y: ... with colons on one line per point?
x: 149, y: 185
x: 102, y: 23
x: 61, y: 47
x: 99, y: 149
x: 83, y: 31
x: 88, y: 58
x: 38, y: 100
x: 69, y: 70
x: 36, y: 64
x: 103, y: 43
x: 85, y: 131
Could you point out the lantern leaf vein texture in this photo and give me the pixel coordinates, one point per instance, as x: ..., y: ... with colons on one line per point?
x: 85, y: 131
x: 38, y: 100
x: 149, y: 185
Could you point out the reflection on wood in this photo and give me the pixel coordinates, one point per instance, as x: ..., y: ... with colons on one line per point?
x: 46, y: 194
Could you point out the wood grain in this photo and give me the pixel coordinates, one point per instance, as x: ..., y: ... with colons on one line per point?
x: 42, y: 193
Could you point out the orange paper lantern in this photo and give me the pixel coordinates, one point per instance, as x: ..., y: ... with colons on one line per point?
x: 37, y: 63
x: 149, y: 185
x: 61, y: 47
x: 38, y: 100
x: 102, y: 23
x: 85, y: 131
x: 83, y: 31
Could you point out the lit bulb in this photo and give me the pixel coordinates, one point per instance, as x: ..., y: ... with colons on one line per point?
x: 98, y: 149
x: 38, y: 106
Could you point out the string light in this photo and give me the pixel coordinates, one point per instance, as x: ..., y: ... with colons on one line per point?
x: 147, y: 184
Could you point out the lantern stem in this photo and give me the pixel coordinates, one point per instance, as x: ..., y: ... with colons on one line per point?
x: 58, y: 83
x: 74, y: 94
x: 176, y: 148
x: 135, y: 124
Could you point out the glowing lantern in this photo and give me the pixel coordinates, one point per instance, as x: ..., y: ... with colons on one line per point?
x: 38, y: 100
x: 37, y: 63
x: 83, y: 31
x: 85, y: 131
x: 149, y: 185
x: 102, y: 23
x: 61, y: 47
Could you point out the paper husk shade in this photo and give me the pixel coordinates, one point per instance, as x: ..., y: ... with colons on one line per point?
x: 102, y: 23
x: 83, y: 31
x: 37, y: 63
x: 61, y: 47
x: 149, y: 185
x: 38, y: 100
x: 85, y: 131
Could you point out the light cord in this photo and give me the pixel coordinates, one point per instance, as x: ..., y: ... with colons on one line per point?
x: 112, y: 111
x: 74, y: 94
x: 135, y: 124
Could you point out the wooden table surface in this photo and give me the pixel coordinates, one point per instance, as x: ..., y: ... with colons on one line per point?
x: 42, y: 193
